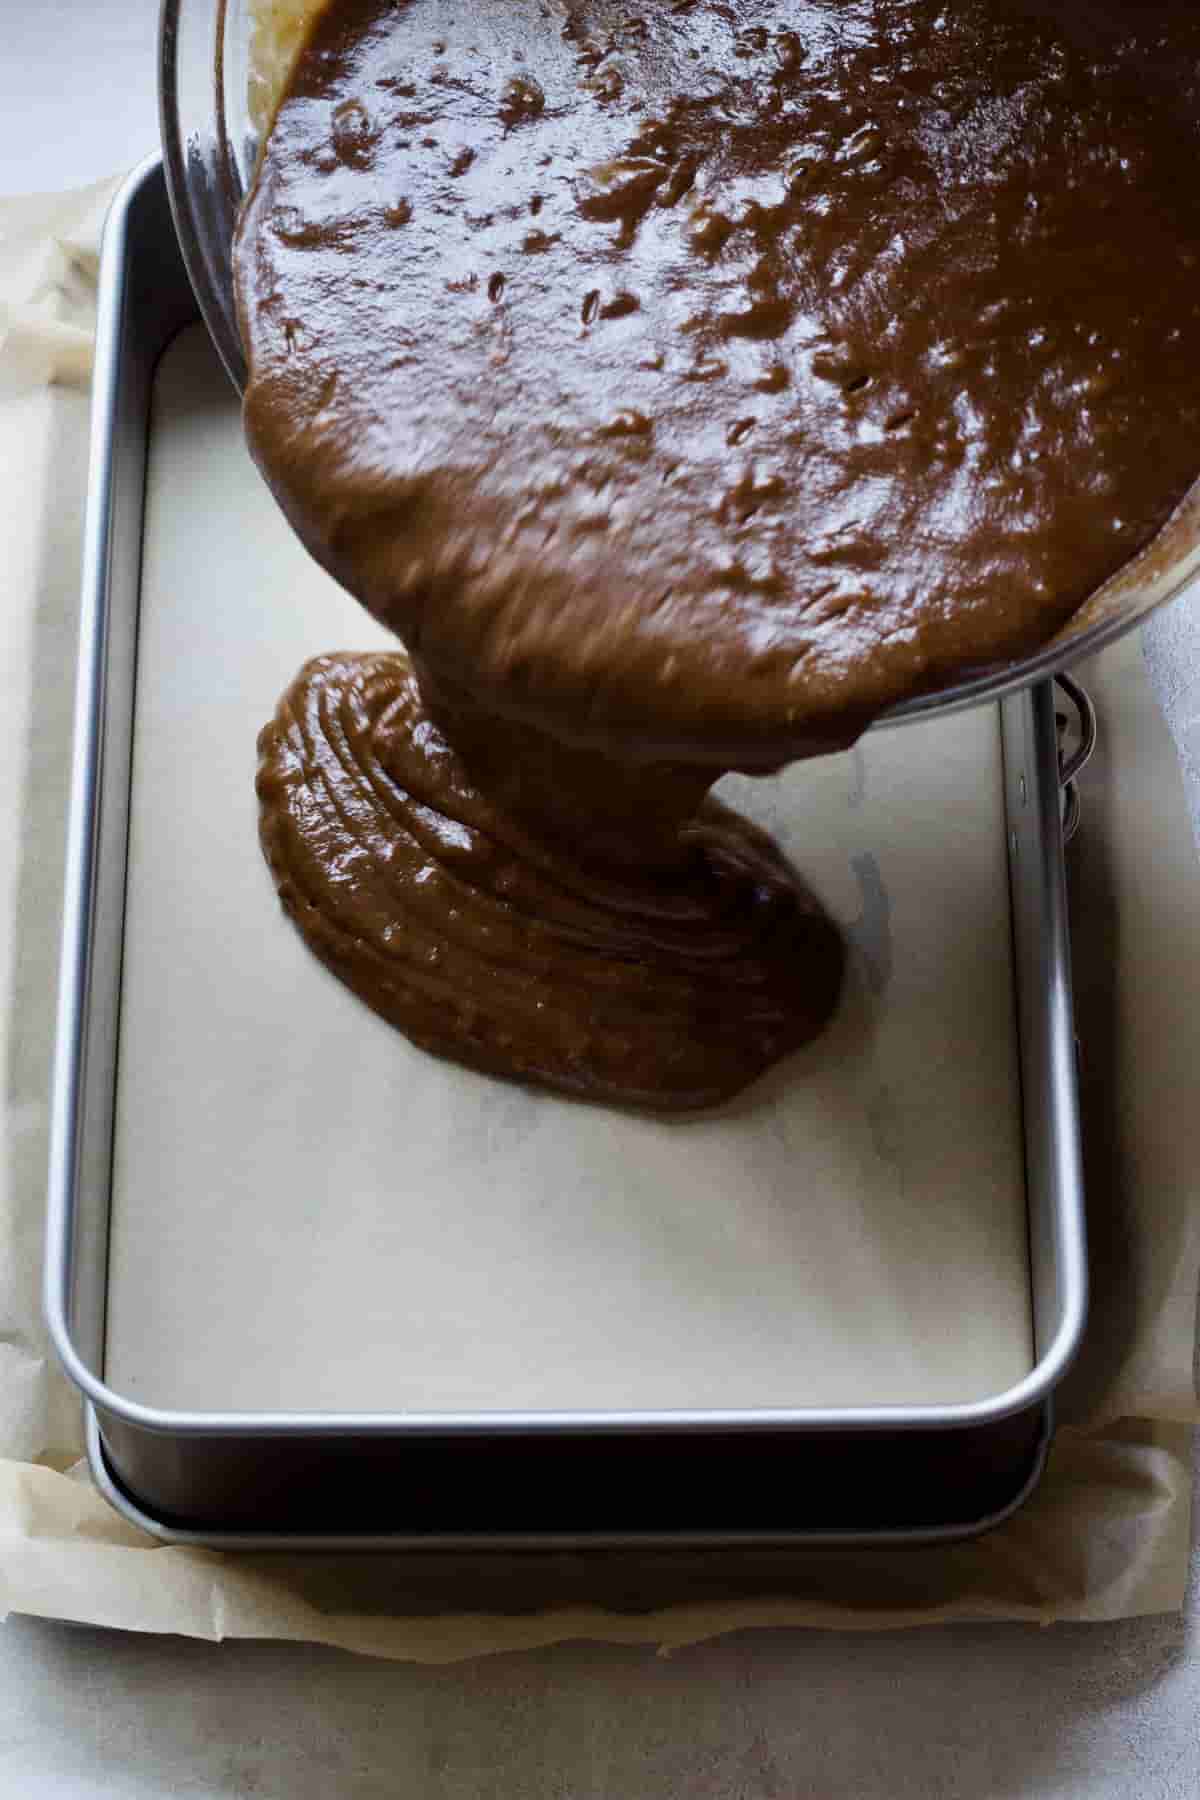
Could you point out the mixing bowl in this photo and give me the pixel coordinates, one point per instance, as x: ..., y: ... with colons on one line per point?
x: 221, y: 64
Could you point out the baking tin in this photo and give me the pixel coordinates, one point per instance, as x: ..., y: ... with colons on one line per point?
x: 776, y: 1477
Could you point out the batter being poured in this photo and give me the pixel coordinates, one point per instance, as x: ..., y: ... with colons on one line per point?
x: 684, y: 386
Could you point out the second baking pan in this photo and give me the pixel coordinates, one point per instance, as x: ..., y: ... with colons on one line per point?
x: 318, y: 1289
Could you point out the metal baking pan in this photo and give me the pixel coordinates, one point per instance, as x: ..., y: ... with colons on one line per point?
x: 535, y: 1478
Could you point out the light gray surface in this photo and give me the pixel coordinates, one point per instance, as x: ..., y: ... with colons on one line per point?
x: 994, y: 1712
x: 1077, y: 1713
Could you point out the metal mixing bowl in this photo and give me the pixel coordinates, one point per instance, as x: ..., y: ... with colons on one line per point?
x: 215, y: 100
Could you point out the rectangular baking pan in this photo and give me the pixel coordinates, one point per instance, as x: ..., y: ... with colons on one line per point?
x: 760, y: 1477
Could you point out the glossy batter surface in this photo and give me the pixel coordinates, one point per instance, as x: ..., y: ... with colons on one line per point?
x: 685, y: 385
x: 706, y: 371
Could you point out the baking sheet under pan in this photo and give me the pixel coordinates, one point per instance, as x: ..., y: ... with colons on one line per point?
x: 309, y: 1277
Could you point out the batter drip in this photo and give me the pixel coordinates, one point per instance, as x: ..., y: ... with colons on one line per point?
x: 664, y: 982
x: 684, y: 388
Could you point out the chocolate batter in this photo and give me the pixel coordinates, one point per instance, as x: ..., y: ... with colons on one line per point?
x: 668, y: 987
x: 685, y: 387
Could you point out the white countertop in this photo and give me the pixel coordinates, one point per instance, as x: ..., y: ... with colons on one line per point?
x: 981, y: 1712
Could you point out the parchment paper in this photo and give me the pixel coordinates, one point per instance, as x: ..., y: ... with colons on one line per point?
x: 1107, y: 1534
x: 308, y: 1212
